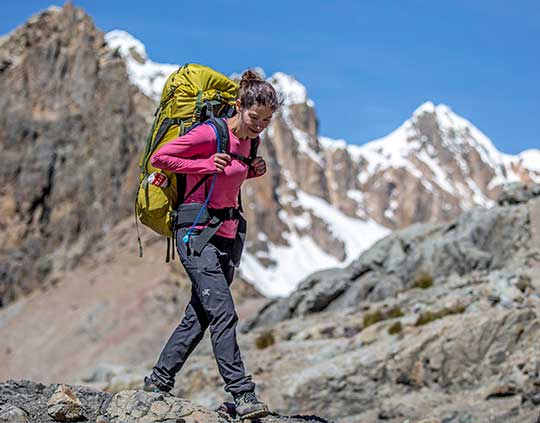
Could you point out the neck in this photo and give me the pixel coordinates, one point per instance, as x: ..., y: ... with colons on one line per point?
x: 236, y: 128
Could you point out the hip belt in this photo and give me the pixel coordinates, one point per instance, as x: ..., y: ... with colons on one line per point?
x: 227, y: 213
x: 211, y: 219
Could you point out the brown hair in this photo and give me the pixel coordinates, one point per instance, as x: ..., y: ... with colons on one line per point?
x: 255, y: 90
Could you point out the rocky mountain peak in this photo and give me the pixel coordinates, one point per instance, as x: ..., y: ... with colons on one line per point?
x: 448, y: 164
x: 70, y: 132
x: 439, y: 125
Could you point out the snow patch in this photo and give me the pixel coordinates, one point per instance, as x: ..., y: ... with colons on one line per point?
x: 149, y: 76
x: 355, y: 233
x: 303, y: 139
x: 302, y: 221
x: 293, y: 91
x: 125, y: 43
x: 440, y: 176
x: 293, y: 263
x: 356, y: 195
x: 530, y: 159
x: 303, y: 256
x: 332, y: 144
x: 427, y: 107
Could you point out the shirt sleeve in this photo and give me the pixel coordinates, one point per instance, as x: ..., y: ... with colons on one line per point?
x: 191, y: 153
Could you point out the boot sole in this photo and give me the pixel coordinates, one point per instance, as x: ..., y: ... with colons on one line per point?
x: 256, y: 414
x: 152, y: 387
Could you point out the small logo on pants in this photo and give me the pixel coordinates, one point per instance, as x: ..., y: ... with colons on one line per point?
x: 205, y: 292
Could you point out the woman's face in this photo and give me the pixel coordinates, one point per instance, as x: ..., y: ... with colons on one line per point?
x: 255, y: 119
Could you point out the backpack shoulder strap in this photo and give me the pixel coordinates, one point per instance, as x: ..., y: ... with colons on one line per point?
x: 223, y: 131
x: 254, y: 147
x: 252, y: 154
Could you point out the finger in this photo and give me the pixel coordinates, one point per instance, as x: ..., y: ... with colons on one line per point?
x: 222, y: 156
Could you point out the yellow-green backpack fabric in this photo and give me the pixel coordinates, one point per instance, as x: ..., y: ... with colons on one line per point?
x: 191, y: 94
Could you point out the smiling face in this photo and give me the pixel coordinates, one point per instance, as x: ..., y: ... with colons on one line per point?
x: 254, y: 119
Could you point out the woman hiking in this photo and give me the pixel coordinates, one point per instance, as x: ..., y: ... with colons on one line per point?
x: 210, y: 264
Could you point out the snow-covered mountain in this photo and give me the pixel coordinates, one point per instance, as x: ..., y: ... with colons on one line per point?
x: 324, y: 201
x: 407, y: 146
x: 431, y: 167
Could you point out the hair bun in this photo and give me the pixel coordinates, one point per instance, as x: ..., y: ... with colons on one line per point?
x: 250, y: 76
x: 254, y: 89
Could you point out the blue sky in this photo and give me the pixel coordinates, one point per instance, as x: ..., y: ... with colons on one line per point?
x: 366, y: 64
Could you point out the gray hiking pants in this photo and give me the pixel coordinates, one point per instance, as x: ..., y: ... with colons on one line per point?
x: 211, y: 306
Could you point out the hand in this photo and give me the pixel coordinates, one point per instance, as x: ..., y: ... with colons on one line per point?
x: 221, y: 160
x: 259, y: 166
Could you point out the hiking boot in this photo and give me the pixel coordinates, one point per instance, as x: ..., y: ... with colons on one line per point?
x: 150, y: 385
x: 248, y: 406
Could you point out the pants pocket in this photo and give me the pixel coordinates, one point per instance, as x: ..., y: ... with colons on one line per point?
x: 184, y: 249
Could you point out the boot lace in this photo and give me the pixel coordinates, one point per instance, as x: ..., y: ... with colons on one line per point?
x: 250, y: 397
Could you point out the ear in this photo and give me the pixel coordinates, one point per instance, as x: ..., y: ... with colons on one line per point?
x: 238, y: 105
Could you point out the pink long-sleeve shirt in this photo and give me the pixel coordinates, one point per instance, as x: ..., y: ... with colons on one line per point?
x: 192, y: 154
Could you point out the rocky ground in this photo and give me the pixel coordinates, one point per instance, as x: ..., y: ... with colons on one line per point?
x: 25, y: 401
x: 433, y: 321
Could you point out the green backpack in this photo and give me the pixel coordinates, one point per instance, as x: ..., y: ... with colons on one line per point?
x: 193, y: 94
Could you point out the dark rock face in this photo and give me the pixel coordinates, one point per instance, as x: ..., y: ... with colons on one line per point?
x: 70, y: 132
